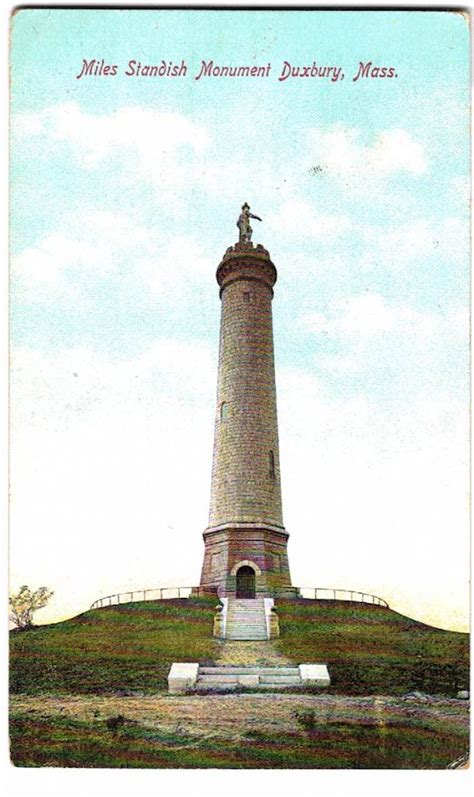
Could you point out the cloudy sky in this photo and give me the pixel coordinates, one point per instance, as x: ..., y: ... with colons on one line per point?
x: 125, y: 193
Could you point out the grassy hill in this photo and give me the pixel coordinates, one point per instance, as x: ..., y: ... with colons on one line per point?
x: 126, y: 648
x: 370, y: 649
x: 129, y: 648
x: 87, y: 692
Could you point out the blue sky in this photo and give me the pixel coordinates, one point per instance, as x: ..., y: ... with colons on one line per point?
x: 125, y: 193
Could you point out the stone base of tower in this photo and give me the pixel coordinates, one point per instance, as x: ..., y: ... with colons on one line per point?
x: 233, y: 550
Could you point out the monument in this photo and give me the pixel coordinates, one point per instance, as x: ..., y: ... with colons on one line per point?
x: 245, y: 541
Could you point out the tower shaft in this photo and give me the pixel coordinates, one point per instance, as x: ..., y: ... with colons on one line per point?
x: 245, y: 521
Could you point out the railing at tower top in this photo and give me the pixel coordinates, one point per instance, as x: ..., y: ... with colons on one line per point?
x: 170, y: 593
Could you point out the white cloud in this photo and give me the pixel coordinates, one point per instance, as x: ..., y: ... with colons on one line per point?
x: 176, y: 264
x: 393, y: 247
x: 75, y: 380
x: 169, y: 151
x: 299, y: 218
x: 100, y: 243
x: 396, y: 150
x: 139, y: 144
x: 91, y: 242
x: 369, y: 315
x: 396, y: 245
x: 340, y: 152
x: 39, y: 268
x: 452, y: 237
x: 460, y: 191
x: 152, y: 135
x: 372, y: 332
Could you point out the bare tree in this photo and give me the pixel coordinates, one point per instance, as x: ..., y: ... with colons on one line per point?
x: 25, y: 602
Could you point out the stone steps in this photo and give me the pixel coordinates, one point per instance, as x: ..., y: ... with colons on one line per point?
x: 232, y: 677
x: 193, y: 677
x: 232, y: 686
x: 222, y: 678
x: 246, y: 619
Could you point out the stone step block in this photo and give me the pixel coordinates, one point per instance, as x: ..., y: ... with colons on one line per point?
x: 246, y: 601
x: 241, y: 624
x: 277, y: 687
x: 279, y: 680
x: 221, y: 685
x: 247, y: 612
x: 259, y: 612
x: 245, y: 618
x: 233, y: 670
x: 254, y: 629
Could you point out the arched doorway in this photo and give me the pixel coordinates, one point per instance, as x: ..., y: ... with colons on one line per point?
x: 245, y: 582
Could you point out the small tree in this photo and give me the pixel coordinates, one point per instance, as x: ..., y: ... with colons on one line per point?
x: 25, y: 602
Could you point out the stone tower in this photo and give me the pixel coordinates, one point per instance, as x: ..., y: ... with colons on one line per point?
x: 245, y: 541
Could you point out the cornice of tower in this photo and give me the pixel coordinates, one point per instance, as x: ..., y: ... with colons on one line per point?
x: 244, y: 261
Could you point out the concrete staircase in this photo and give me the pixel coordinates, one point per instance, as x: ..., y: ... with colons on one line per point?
x: 228, y: 678
x: 246, y: 619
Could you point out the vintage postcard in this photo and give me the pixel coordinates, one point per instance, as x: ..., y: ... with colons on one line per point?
x: 239, y: 410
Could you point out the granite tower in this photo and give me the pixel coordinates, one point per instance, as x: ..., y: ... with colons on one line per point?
x: 245, y: 541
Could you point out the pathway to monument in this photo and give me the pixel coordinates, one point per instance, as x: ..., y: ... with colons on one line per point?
x: 251, y: 653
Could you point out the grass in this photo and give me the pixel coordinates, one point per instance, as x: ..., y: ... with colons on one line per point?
x: 373, y: 650
x: 66, y: 742
x: 127, y: 650
x: 130, y: 648
x: 122, y: 649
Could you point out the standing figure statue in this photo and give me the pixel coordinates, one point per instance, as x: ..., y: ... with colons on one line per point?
x: 243, y: 223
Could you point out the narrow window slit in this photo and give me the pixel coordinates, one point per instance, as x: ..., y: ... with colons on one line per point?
x: 271, y: 462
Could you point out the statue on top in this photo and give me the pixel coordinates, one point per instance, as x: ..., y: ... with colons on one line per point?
x: 243, y: 223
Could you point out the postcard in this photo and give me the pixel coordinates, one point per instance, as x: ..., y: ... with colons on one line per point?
x: 239, y: 409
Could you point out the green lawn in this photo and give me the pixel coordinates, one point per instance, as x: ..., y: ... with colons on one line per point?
x: 130, y: 648
x: 123, y: 648
x: 65, y: 742
x: 370, y: 649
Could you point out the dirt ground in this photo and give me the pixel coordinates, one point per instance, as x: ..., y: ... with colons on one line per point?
x: 232, y: 716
